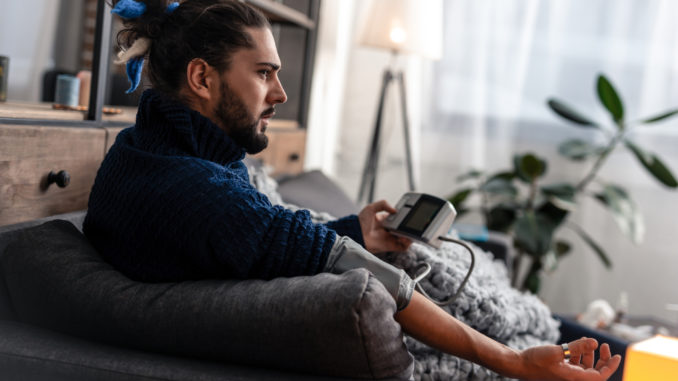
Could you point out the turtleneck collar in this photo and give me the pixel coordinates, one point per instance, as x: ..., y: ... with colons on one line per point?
x: 187, y: 130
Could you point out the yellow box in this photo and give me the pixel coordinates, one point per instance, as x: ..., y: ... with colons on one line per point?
x: 654, y: 359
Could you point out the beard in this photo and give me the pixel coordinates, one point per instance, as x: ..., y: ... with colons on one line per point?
x: 239, y: 124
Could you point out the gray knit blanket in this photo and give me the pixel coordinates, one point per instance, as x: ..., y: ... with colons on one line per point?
x: 488, y: 303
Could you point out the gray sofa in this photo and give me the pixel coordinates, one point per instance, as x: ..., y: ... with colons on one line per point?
x: 67, y: 315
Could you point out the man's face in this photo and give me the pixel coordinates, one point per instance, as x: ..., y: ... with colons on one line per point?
x: 249, y: 90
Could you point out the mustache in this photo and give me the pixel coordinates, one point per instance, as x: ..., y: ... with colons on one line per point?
x: 268, y: 112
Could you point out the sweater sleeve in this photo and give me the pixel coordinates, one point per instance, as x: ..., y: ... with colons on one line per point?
x: 250, y: 238
x: 348, y: 226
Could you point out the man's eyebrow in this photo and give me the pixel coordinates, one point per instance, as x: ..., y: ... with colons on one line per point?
x: 270, y: 64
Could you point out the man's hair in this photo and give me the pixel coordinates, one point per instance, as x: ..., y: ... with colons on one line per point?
x: 209, y: 29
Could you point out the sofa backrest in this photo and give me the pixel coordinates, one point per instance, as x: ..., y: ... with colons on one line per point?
x: 336, y: 325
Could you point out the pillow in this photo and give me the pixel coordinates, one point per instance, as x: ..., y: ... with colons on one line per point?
x: 338, y: 325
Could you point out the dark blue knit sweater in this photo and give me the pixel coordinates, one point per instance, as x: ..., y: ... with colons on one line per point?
x: 172, y: 201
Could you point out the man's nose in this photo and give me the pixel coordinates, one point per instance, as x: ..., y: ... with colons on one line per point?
x: 277, y: 93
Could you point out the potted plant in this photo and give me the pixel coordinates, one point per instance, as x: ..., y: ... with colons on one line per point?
x: 516, y: 201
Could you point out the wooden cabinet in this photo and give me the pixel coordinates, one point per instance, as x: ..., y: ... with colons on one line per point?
x: 28, y: 154
x: 285, y: 152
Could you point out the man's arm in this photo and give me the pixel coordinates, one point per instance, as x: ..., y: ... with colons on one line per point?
x: 431, y: 325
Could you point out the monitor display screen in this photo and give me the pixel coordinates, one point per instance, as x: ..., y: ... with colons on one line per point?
x: 421, y: 215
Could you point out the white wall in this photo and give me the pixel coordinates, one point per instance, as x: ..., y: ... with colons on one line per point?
x: 27, y: 30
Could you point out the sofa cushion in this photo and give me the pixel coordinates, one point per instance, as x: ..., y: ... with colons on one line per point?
x: 339, y: 325
x: 312, y: 190
x: 32, y: 353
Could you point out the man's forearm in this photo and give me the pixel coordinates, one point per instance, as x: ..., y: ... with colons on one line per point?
x: 431, y: 325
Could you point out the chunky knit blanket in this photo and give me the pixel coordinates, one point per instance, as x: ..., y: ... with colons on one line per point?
x: 488, y: 303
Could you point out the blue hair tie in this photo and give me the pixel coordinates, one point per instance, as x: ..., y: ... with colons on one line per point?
x: 134, y: 69
x: 171, y: 7
x: 129, y: 9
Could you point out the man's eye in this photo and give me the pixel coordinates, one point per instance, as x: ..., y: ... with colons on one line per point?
x: 265, y: 73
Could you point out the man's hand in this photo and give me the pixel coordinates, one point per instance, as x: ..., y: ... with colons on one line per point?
x: 377, y: 239
x: 546, y: 362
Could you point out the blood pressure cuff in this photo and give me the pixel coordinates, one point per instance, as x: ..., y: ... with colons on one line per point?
x: 346, y: 255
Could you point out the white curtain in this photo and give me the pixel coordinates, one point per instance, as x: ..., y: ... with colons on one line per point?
x: 502, y: 60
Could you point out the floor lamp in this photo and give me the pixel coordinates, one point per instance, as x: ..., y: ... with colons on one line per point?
x: 369, y: 178
x: 402, y: 27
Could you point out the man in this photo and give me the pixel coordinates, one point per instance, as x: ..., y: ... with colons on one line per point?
x: 172, y: 200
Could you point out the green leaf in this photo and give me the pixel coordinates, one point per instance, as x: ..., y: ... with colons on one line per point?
x: 532, y: 280
x: 662, y: 116
x: 458, y: 198
x: 562, y: 190
x: 561, y: 194
x: 562, y: 248
x: 553, y: 213
x: 577, y: 149
x: 528, y: 167
x: 506, y: 175
x: 472, y: 174
x: 461, y: 211
x: 501, y: 217
x: 624, y: 211
x: 534, y: 233
x: 499, y: 186
x: 653, y: 165
x: 596, y: 248
x: 570, y: 114
x: 610, y: 99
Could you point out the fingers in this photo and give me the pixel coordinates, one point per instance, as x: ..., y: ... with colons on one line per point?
x: 382, y: 206
x: 397, y: 243
x: 610, y: 366
x: 575, y: 359
x: 605, y: 355
x: 404, y: 242
x: 583, y: 346
x: 587, y: 360
x: 607, y: 364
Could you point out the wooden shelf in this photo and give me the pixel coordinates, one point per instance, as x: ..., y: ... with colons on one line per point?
x: 277, y: 12
x: 36, y: 112
x: 44, y: 111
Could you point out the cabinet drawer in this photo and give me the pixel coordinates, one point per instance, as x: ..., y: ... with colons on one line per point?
x: 29, y: 153
x: 285, y: 151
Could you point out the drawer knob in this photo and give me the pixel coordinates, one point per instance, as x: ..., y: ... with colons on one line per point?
x: 61, y: 178
x: 294, y: 157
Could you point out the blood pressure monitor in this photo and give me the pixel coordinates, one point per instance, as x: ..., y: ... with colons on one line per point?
x: 421, y: 217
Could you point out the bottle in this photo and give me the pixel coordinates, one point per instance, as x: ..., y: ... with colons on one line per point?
x: 622, y: 307
x: 4, y: 68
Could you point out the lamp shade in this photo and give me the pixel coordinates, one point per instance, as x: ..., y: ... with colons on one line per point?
x: 652, y: 359
x: 404, y: 26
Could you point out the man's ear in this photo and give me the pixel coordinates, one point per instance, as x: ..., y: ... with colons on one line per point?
x: 199, y: 78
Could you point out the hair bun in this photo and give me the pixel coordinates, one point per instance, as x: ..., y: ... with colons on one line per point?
x: 146, y: 21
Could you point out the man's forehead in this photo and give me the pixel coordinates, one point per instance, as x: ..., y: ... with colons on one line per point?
x: 264, y: 49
